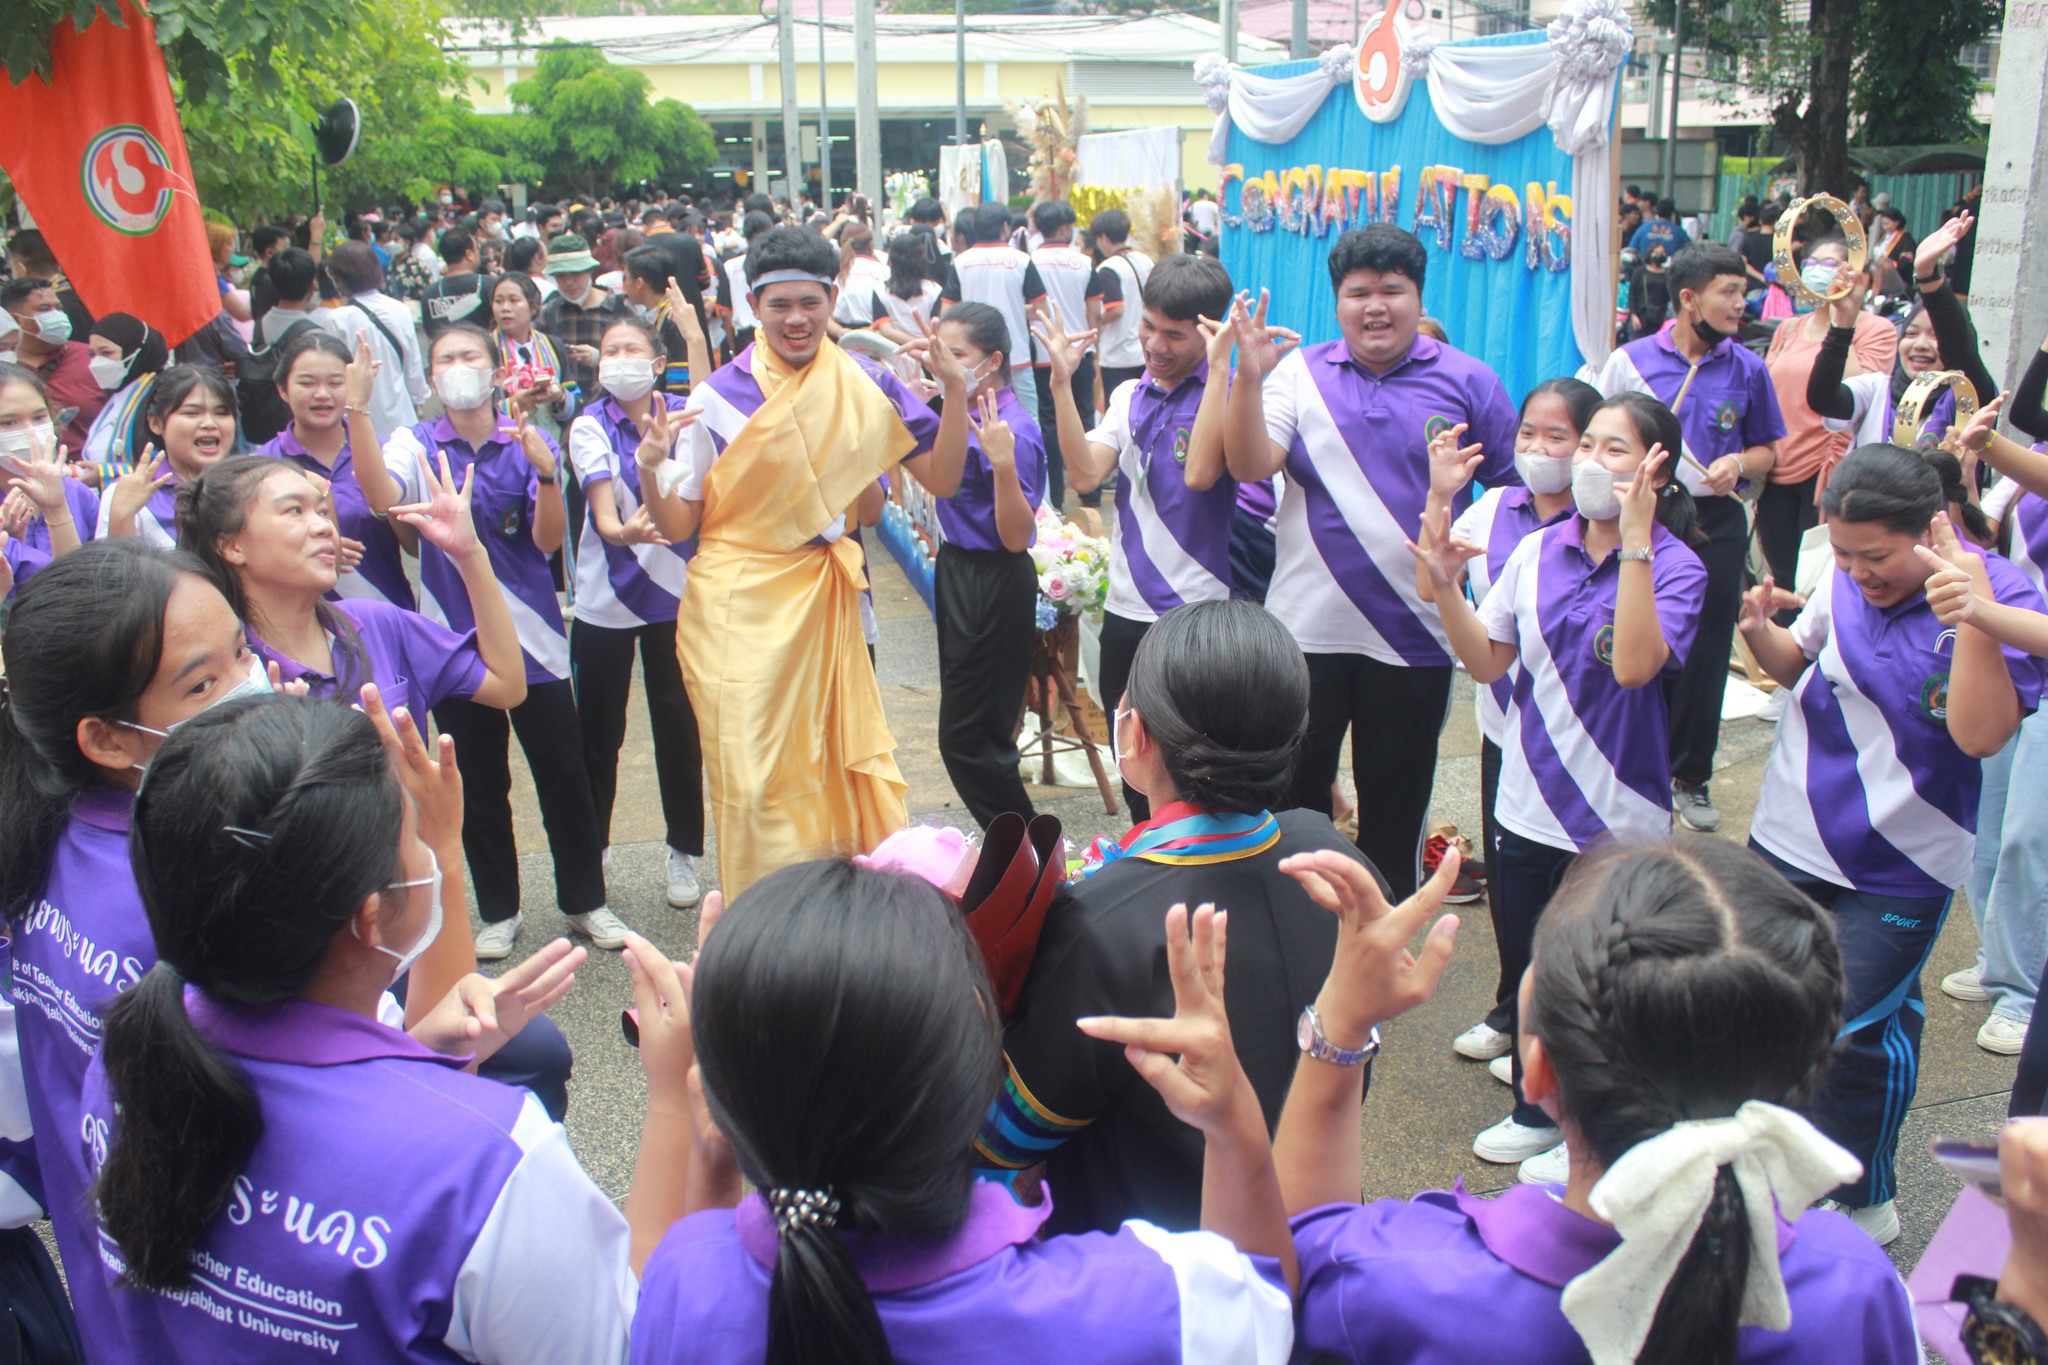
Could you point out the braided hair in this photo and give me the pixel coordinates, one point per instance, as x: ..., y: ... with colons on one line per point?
x: 1678, y: 982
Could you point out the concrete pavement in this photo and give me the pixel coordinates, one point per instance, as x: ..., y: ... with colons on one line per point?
x: 1426, y: 1103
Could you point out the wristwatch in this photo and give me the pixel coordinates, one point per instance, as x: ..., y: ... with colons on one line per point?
x: 1645, y: 555
x: 547, y: 479
x: 1308, y: 1034
x: 1996, y: 1333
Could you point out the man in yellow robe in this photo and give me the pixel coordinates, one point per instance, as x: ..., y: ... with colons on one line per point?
x: 777, y: 448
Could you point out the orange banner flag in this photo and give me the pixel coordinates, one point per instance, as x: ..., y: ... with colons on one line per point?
x: 98, y: 157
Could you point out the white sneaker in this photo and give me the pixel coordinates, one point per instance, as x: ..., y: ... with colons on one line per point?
x: 1482, y: 1042
x: 494, y: 941
x: 604, y: 862
x: 1773, y: 709
x: 1879, y: 1222
x: 2002, y: 1035
x: 1967, y: 984
x: 1503, y: 1069
x: 1508, y: 1143
x: 601, y: 927
x: 683, y: 890
x: 1553, y: 1167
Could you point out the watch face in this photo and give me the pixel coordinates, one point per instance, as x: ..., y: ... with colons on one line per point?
x: 1305, y: 1031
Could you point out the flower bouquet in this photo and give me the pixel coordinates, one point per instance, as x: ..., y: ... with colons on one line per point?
x: 1073, y: 569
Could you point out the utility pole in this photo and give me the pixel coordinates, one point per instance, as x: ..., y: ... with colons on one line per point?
x: 1671, y: 133
x: 792, y: 142
x: 867, y: 114
x: 824, y: 121
x: 1297, y: 46
x: 1226, y: 19
x: 960, y: 72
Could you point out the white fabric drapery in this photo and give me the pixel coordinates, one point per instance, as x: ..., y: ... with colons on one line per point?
x: 1485, y: 94
x: 1144, y: 158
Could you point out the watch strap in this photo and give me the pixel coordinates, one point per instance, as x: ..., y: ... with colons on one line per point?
x: 1323, y: 1050
x: 1996, y: 1333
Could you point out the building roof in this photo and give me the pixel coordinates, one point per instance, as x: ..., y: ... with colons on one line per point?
x: 659, y: 40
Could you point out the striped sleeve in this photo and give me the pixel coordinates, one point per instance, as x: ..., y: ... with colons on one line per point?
x: 1021, y: 1131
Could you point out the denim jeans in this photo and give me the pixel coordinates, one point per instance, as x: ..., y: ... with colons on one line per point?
x: 2008, y: 885
x: 1025, y: 381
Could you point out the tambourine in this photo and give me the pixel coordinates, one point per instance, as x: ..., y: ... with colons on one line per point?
x: 1852, y: 232
x: 1919, y: 396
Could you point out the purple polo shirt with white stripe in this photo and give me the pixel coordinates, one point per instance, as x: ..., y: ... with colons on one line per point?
x: 2027, y: 514
x: 503, y: 503
x: 156, y: 524
x: 85, y: 515
x: 969, y: 517
x: 1393, y: 1283
x: 1577, y: 768
x: 1138, y: 1295
x: 395, y: 1208
x: 1357, y: 477
x: 621, y: 587
x: 1864, y: 787
x: 382, y: 571
x: 1172, y: 543
x: 1875, y: 409
x: 1498, y: 520
x: 84, y: 942
x: 1729, y: 406
x: 416, y: 663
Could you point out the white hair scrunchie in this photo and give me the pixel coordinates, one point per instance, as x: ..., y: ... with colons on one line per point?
x: 1656, y: 1197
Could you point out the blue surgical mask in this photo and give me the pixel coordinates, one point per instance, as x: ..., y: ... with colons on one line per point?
x: 1819, y: 276
x: 257, y: 684
x: 429, y: 934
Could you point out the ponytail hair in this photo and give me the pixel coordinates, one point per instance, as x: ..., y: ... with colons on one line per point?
x: 83, y: 639
x: 1972, y: 523
x: 849, y: 1043
x: 264, y: 826
x: 1656, y: 424
x: 214, y: 507
x: 1646, y: 962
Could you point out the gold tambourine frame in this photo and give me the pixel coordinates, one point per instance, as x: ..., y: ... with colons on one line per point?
x: 1781, y: 247
x: 1919, y: 395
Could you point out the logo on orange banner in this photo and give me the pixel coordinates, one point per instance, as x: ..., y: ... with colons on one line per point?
x: 127, y: 180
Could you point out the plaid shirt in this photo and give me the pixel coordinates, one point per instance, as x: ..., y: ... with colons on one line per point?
x: 573, y: 326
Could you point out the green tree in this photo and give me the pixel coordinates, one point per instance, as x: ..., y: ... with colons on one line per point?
x: 590, y: 126
x: 1913, y: 87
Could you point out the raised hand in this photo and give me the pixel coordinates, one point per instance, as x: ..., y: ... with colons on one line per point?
x: 297, y: 687
x: 942, y: 364
x: 17, y: 513
x: 1951, y: 596
x: 1220, y: 336
x: 1063, y: 349
x: 657, y: 436
x: 1843, y: 312
x: 39, y: 477
x: 1260, y: 346
x: 481, y: 1014
x: 444, y: 518
x: 682, y: 314
x: 430, y: 776
x: 359, y: 380
x: 639, y: 529
x: 349, y: 553
x: 1443, y: 557
x: 1451, y: 466
x: 1373, y: 977
x: 1974, y: 436
x: 133, y: 490
x: 1202, y: 1088
x: 662, y: 1002
x: 1936, y: 244
x: 998, y: 442
x: 1639, y: 501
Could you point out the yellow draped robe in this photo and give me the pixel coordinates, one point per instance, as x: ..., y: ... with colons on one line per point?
x: 798, y: 757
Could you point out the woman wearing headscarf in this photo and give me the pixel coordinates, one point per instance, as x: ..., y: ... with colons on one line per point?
x: 127, y: 353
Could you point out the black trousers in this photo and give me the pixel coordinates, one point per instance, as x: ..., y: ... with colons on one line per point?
x: 1697, y: 696
x: 1119, y: 643
x: 1501, y: 1017
x: 1394, y: 714
x: 601, y: 665
x: 548, y: 733
x: 1784, y: 513
x: 1529, y: 874
x: 1253, y: 548
x: 987, y: 606
x: 1083, y: 387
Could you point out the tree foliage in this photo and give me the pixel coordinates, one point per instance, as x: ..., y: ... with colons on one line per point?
x: 590, y: 126
x: 1913, y: 87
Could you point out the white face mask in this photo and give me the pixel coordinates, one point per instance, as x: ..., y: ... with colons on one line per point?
x: 22, y: 441
x: 1544, y: 473
x: 53, y: 325
x: 463, y: 387
x: 427, y: 935
x: 626, y: 377
x: 1593, y: 491
x: 1116, y: 740
x: 108, y: 371
x: 257, y: 684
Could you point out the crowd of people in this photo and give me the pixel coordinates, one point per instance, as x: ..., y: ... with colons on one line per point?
x: 452, y: 468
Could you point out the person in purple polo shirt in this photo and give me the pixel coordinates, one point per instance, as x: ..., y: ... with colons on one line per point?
x: 1869, y: 802
x: 517, y: 503
x: 629, y: 580
x: 851, y: 1114
x: 261, y: 528
x: 1350, y: 422
x: 1553, y: 420
x: 192, y: 411
x: 1161, y: 434
x: 1663, y: 1244
x: 1728, y: 408
x: 1591, y: 612
x: 329, y: 394
x: 28, y: 436
x: 278, y: 1171
x: 986, y: 586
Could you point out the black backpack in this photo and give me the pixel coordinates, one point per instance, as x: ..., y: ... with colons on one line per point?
x: 264, y: 411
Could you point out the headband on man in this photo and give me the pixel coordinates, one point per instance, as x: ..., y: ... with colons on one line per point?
x: 790, y: 277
